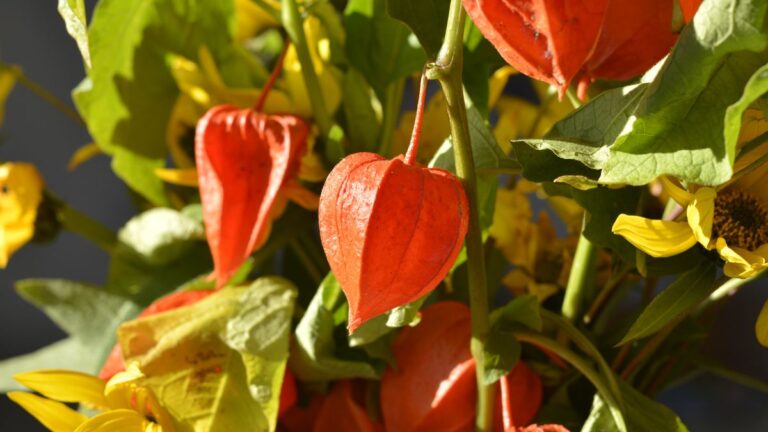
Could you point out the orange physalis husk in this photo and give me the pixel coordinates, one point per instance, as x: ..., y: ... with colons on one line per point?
x: 114, y: 363
x: 391, y: 229
x: 558, y: 43
x: 244, y: 160
x: 341, y: 410
x: 434, y: 385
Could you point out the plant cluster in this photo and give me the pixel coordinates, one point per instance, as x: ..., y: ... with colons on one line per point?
x: 351, y: 220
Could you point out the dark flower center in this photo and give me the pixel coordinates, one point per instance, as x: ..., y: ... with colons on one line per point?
x: 741, y: 219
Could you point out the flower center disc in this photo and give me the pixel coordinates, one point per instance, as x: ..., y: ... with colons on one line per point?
x: 741, y: 220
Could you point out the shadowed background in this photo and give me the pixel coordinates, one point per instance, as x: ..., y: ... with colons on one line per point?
x: 32, y: 35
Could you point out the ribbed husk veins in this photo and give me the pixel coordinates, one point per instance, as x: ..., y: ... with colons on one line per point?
x: 243, y: 159
x: 391, y: 231
x: 560, y: 42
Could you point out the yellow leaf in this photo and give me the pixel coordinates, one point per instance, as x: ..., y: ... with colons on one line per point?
x: 657, y: 238
x: 66, y: 386
x: 761, y: 326
x: 120, y: 420
x: 82, y: 155
x: 181, y: 177
x: 252, y: 19
x: 55, y: 416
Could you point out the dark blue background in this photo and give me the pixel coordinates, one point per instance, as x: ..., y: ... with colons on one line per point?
x: 33, y: 36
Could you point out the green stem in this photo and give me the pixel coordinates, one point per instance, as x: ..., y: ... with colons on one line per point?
x: 83, y: 225
x: 588, y: 347
x: 582, y: 272
x: 392, y: 101
x: 329, y: 130
x: 447, y: 69
x: 45, y: 95
x: 306, y: 261
x: 582, y: 366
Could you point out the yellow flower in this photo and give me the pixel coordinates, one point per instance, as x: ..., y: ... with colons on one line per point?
x: 519, y: 118
x: 21, y: 191
x: 125, y: 405
x: 732, y: 220
x: 541, y: 259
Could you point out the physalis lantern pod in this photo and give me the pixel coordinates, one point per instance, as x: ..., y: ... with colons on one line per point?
x: 560, y: 42
x: 391, y: 228
x: 244, y: 159
x: 247, y: 161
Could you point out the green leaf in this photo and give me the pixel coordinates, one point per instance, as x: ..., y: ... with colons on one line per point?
x: 373, y: 329
x: 603, y: 205
x: 641, y: 414
x: 218, y: 364
x: 314, y: 355
x: 756, y: 87
x: 379, y: 46
x: 81, y: 310
x: 87, y: 313
x: 502, y: 351
x: 686, y: 292
x: 362, y: 123
x: 73, y: 14
x: 129, y: 93
x: 672, y: 123
x: 70, y: 353
x: 427, y: 19
x: 579, y: 143
x: 489, y: 160
x: 156, y: 252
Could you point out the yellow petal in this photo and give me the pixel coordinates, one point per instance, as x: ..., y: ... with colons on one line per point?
x: 700, y: 213
x: 657, y: 238
x: 21, y: 191
x: 66, y: 386
x: 55, y: 416
x: 252, y: 19
x: 761, y: 326
x: 680, y: 195
x: 741, y: 263
x: 312, y: 168
x: 512, y: 227
x: 119, y: 420
x: 517, y: 118
x: 497, y: 83
x: 8, y: 76
x: 302, y: 196
x: 82, y: 155
x: 182, y: 177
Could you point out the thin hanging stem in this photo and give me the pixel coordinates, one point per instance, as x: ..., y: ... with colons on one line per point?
x: 45, y: 95
x: 413, y: 147
x: 272, y: 78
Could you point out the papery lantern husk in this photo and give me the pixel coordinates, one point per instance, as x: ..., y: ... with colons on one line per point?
x: 244, y: 159
x: 391, y: 231
x: 559, y: 42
